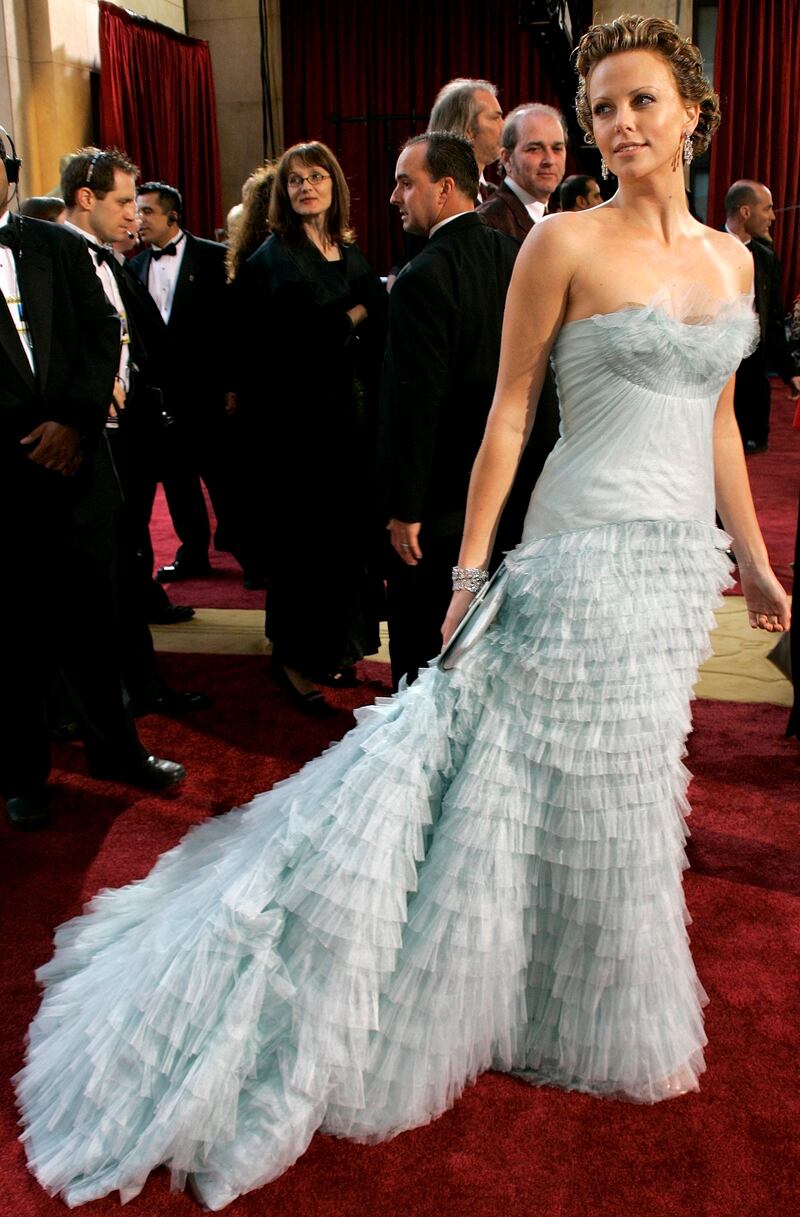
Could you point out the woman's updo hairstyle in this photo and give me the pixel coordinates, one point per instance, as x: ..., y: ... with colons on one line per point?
x: 629, y: 33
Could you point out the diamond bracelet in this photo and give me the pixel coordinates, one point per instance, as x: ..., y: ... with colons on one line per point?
x: 469, y: 578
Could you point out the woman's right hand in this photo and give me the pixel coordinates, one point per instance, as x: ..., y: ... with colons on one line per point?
x: 458, y: 606
x: 357, y: 314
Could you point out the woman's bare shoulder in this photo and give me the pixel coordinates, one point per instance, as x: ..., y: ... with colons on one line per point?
x: 734, y: 256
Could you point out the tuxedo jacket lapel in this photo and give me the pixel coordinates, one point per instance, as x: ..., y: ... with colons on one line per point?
x: 9, y: 338
x: 183, y: 286
x: 35, y: 275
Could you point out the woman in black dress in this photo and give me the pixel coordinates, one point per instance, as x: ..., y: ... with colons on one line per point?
x: 313, y: 323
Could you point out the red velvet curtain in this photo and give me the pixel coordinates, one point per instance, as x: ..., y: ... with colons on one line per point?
x: 362, y: 77
x: 757, y: 69
x: 157, y: 104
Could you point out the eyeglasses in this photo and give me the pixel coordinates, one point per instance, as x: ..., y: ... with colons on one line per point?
x: 295, y: 181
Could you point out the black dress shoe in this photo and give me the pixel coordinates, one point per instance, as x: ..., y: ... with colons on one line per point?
x: 28, y: 812
x: 253, y: 581
x: 183, y: 568
x: 169, y: 701
x: 150, y: 773
x: 170, y: 614
x: 312, y: 703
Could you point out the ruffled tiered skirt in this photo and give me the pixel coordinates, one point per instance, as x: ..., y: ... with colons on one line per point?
x: 484, y: 874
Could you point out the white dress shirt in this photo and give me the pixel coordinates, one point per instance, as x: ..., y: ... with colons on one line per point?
x: 162, y: 277
x: 534, y: 208
x: 109, y: 285
x: 9, y: 286
x: 442, y: 223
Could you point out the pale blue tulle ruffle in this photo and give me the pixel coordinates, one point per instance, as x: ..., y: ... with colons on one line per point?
x: 485, y: 873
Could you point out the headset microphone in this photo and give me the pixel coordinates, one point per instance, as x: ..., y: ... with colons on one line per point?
x: 12, y: 163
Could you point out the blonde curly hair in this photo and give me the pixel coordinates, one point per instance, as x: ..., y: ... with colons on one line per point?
x: 631, y: 33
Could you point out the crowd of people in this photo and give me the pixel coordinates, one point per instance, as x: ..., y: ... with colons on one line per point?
x: 345, y: 469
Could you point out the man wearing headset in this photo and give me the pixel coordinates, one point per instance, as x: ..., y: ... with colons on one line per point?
x: 59, y: 354
x: 186, y: 277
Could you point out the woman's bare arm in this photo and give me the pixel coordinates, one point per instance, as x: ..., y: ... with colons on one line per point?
x: 537, y: 299
x: 767, y: 603
x: 535, y: 305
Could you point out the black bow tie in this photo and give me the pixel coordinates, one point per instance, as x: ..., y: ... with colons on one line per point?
x: 168, y: 251
x: 8, y: 237
x: 103, y: 255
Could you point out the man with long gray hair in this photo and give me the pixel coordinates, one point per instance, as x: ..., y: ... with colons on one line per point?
x: 470, y: 108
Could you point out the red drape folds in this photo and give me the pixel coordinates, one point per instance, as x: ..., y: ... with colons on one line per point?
x: 362, y: 77
x: 157, y: 103
x: 757, y: 70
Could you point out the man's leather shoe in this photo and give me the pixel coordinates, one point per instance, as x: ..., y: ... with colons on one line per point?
x: 28, y: 812
x: 171, y: 614
x: 183, y: 568
x: 169, y: 701
x: 150, y: 773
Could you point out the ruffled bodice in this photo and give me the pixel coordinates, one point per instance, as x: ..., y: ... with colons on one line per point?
x: 638, y: 389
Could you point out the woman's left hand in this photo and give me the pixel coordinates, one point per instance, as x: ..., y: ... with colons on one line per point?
x: 767, y: 602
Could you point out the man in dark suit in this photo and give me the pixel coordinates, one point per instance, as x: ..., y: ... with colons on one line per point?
x: 533, y: 154
x: 445, y: 320
x: 186, y: 278
x: 59, y: 354
x: 103, y: 212
x: 749, y: 215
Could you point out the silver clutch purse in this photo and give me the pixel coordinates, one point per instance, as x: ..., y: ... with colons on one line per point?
x: 476, y: 621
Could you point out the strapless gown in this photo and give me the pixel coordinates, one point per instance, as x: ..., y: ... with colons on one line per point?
x: 485, y: 873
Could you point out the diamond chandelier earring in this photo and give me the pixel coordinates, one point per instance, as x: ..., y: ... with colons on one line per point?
x: 603, y: 169
x: 688, y: 149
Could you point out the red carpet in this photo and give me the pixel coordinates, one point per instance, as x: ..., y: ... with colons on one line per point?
x: 222, y: 589
x: 505, y: 1150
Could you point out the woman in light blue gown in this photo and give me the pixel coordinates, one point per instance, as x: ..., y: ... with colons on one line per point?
x: 486, y: 872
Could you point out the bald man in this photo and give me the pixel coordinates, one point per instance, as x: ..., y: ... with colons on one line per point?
x: 749, y: 214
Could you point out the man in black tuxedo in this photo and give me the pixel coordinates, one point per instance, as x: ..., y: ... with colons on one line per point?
x: 748, y: 216
x: 59, y: 354
x: 186, y: 278
x: 445, y: 319
x: 102, y: 212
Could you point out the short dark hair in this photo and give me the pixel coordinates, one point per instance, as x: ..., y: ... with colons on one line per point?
x: 740, y: 194
x: 95, y: 168
x: 448, y: 155
x: 42, y: 207
x: 572, y: 187
x: 169, y: 197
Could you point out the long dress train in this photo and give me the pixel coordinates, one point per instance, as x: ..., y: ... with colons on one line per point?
x: 484, y: 873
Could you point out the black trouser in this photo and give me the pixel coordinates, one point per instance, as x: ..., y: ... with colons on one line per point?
x: 59, y: 615
x: 752, y: 400
x: 417, y: 599
x: 195, y: 449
